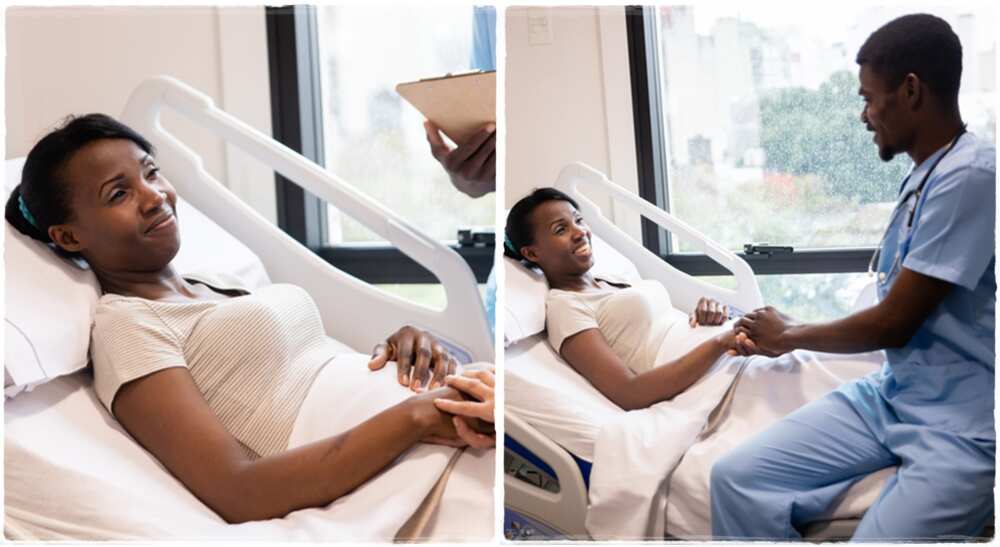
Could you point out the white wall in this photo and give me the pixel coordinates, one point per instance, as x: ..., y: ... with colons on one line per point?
x: 75, y: 60
x: 568, y: 98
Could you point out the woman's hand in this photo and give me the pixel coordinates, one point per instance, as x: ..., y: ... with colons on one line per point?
x: 478, y: 384
x: 437, y: 426
x: 730, y: 341
x: 421, y: 361
x: 708, y: 312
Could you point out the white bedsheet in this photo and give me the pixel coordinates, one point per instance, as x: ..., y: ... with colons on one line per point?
x: 71, y: 472
x: 634, y: 452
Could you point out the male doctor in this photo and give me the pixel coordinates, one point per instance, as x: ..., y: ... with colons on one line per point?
x: 929, y: 411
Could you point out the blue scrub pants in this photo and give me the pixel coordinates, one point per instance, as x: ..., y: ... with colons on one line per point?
x: 793, y: 472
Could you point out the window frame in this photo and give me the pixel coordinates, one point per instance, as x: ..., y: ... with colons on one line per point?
x: 297, y: 122
x: 650, y: 139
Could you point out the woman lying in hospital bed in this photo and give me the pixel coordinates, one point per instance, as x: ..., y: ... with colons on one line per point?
x: 609, y: 330
x: 625, y: 338
x: 206, y: 375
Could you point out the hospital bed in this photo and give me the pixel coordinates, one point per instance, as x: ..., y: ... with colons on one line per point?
x: 71, y: 472
x: 549, y: 444
x: 545, y: 485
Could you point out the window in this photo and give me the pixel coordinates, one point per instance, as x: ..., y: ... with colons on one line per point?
x: 375, y: 139
x: 333, y: 73
x: 754, y: 135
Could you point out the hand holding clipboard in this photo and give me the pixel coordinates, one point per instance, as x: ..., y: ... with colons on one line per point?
x: 463, y: 106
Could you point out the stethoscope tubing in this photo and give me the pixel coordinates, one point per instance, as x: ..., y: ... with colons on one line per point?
x: 918, y: 194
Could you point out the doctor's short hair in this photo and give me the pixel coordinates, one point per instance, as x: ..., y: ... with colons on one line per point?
x: 44, y: 192
x: 519, y: 231
x: 921, y: 44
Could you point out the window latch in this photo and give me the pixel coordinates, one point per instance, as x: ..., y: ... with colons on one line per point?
x: 476, y: 236
x: 763, y: 249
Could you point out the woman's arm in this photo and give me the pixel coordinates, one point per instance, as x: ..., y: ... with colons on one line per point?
x: 168, y: 416
x: 588, y: 352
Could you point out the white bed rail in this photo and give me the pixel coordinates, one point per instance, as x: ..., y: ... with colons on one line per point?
x: 353, y: 311
x: 684, y: 289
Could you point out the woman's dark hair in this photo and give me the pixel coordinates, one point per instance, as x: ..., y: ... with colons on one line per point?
x: 922, y: 44
x: 519, y: 230
x: 43, y: 191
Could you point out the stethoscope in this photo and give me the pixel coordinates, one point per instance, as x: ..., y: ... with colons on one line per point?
x: 916, y: 194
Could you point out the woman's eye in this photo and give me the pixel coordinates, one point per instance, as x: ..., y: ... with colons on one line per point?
x: 153, y: 173
x: 117, y: 194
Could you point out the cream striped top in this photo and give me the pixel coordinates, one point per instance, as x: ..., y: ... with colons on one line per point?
x: 253, y: 357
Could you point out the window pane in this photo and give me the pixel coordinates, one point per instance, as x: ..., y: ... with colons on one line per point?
x: 374, y: 139
x: 430, y: 295
x: 763, y: 119
x: 807, y: 297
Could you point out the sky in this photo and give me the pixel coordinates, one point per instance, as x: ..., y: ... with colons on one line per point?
x: 830, y: 19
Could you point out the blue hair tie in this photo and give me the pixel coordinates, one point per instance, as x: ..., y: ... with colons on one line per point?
x: 25, y: 212
x: 509, y: 245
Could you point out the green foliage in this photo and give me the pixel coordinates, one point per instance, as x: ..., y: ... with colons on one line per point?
x: 806, y: 297
x: 819, y: 132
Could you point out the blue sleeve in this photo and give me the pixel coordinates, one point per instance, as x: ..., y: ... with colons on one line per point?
x: 953, y: 238
x: 491, y: 300
x: 484, y: 33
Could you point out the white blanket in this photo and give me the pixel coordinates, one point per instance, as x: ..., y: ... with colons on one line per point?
x: 769, y: 390
x: 71, y: 472
x: 634, y: 453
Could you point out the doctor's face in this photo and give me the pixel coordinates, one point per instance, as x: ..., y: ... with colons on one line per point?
x: 885, y: 113
x: 122, y: 209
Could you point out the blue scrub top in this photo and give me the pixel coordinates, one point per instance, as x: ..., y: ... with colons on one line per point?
x: 484, y: 57
x: 484, y: 37
x: 943, y: 377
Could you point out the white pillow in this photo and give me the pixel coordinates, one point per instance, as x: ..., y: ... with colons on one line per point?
x: 50, y: 301
x: 525, y: 290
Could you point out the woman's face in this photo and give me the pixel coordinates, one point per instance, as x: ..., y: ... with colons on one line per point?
x: 123, y: 211
x: 562, y: 239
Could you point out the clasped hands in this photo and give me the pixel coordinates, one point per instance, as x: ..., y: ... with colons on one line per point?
x: 426, y: 367
x: 761, y: 332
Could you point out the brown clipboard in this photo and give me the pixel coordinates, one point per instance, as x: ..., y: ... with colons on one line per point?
x: 460, y: 104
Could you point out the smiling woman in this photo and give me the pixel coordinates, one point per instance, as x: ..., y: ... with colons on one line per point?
x: 206, y: 375
x: 608, y: 329
x: 123, y: 214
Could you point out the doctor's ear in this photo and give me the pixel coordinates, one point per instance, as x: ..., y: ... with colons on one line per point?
x: 913, y: 89
x: 64, y: 238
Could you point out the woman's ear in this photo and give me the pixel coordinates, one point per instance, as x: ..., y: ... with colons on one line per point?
x: 528, y: 252
x: 64, y: 238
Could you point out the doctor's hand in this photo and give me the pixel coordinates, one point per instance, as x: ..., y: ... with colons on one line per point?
x: 472, y: 166
x: 765, y: 332
x: 477, y: 386
x: 708, y: 312
x: 421, y: 361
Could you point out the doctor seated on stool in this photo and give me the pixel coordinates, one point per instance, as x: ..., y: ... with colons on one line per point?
x: 930, y: 409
